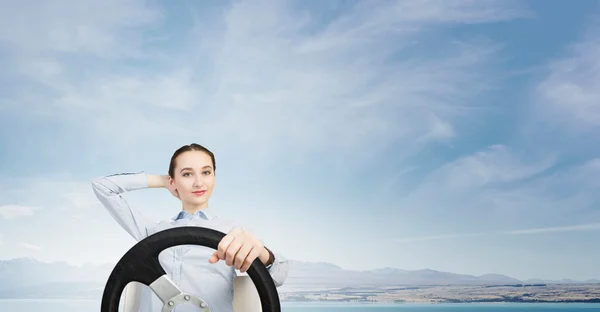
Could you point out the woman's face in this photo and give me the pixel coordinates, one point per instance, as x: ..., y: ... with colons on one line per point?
x: 194, y: 178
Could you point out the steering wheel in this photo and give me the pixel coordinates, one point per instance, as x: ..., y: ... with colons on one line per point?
x: 141, y: 264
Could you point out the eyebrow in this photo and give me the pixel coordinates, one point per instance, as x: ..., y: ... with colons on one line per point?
x: 188, y: 168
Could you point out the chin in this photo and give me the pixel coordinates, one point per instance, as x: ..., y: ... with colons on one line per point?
x: 197, y: 201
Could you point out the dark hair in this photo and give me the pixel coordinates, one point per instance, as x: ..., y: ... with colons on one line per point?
x: 189, y: 148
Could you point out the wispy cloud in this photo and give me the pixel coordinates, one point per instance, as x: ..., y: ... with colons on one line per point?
x: 55, y: 193
x: 333, y: 108
x: 572, y: 228
x: 259, y: 80
x: 10, y: 212
x: 499, y: 188
x: 437, y: 237
x: 544, y: 230
x: 30, y: 246
x: 496, y: 164
x: 108, y: 28
x: 569, y: 95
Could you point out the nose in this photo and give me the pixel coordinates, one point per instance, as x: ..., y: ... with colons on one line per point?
x: 197, y: 181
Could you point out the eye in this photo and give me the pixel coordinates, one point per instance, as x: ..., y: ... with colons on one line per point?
x: 187, y: 174
x: 207, y: 172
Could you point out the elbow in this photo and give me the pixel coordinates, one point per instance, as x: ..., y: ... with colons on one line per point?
x: 281, y: 274
x: 99, y: 187
x: 96, y: 185
x: 279, y: 283
x: 96, y: 182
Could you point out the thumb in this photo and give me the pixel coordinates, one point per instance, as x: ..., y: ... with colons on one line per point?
x: 214, y: 258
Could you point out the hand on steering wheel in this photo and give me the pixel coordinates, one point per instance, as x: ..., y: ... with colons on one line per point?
x: 239, y: 248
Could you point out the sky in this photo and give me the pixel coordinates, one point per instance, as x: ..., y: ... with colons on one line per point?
x: 459, y: 136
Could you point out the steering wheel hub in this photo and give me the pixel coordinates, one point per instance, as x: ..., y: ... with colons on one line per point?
x: 171, y: 296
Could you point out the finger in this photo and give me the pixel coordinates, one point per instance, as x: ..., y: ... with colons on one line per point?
x: 214, y: 258
x: 224, y: 245
x: 241, y: 255
x: 254, y: 253
x: 232, y: 250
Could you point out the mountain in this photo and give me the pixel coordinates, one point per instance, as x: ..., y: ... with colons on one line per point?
x: 28, y: 277
x: 306, y: 274
x: 28, y: 272
x: 55, y: 290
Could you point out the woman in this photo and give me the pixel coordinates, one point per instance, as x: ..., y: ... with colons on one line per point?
x: 200, y: 270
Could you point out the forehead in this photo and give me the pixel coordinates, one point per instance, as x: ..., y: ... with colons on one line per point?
x: 193, y: 159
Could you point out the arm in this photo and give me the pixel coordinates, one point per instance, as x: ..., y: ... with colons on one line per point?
x: 108, y: 190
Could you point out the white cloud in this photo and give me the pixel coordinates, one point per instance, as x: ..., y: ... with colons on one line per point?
x: 498, y: 189
x: 279, y: 78
x: 263, y: 76
x: 569, y: 94
x: 30, y: 246
x: 367, y: 21
x: 80, y: 197
x: 54, y: 193
x: 531, y: 231
x: 496, y: 164
x: 569, y: 228
x: 439, y: 130
x: 109, y: 92
x: 10, y: 212
x: 108, y: 28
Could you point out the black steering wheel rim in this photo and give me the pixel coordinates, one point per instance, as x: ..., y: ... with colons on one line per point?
x: 141, y: 264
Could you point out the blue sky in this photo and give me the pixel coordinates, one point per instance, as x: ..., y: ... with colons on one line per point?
x: 452, y: 135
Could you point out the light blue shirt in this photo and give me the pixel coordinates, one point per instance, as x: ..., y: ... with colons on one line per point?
x: 187, y: 266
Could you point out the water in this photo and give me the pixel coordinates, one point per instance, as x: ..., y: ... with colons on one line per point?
x: 85, y: 305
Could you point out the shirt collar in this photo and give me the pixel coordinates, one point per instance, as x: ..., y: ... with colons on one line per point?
x: 205, y: 214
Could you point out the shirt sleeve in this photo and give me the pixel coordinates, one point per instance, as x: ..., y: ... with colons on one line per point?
x: 279, y: 269
x: 108, y: 190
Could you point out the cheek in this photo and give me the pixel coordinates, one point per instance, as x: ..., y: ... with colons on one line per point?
x: 183, y: 185
x: 210, y: 182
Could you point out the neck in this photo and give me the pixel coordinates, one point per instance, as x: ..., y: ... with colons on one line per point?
x: 194, y: 208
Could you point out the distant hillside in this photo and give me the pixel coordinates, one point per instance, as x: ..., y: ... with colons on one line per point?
x: 27, y: 272
x: 27, y: 277
x: 306, y: 274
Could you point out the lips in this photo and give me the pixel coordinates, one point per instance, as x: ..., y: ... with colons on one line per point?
x: 199, y: 193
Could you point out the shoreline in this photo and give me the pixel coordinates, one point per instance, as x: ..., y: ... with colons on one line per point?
x: 343, y: 304
x: 453, y: 294
x: 449, y: 302
x: 377, y: 303
x: 393, y: 295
